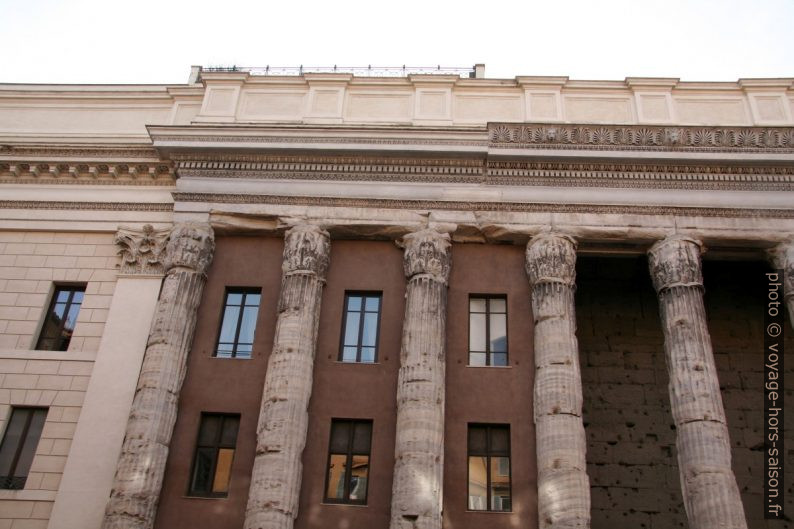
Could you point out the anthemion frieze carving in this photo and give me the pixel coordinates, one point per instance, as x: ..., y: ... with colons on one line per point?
x: 642, y: 137
x: 141, y: 251
x: 454, y: 205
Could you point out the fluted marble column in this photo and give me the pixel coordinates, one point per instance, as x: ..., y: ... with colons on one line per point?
x: 563, y: 485
x: 139, y: 473
x: 783, y: 259
x: 283, y: 415
x: 711, y: 496
x: 419, y: 448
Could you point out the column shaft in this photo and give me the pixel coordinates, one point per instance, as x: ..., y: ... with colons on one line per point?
x: 283, y: 416
x: 140, y: 470
x: 563, y: 485
x: 711, y: 496
x: 417, y: 489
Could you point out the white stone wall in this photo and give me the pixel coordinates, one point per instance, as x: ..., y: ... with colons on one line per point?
x: 30, y: 264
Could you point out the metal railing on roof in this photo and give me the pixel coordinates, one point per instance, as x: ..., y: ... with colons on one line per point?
x: 359, y: 71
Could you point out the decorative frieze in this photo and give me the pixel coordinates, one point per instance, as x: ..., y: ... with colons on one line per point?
x: 711, y: 496
x: 563, y: 485
x: 142, y: 251
x: 141, y: 466
x: 641, y: 137
x: 283, y: 415
x: 417, y: 487
x: 88, y: 173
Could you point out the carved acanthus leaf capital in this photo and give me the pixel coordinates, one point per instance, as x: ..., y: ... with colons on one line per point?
x: 306, y: 250
x: 426, y: 253
x: 782, y: 257
x: 141, y: 251
x: 675, y: 261
x: 551, y: 258
x: 190, y: 245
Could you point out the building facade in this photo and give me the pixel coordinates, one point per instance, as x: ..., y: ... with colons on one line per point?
x: 347, y: 299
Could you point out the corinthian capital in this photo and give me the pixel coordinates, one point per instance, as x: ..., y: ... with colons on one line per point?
x: 551, y: 258
x: 782, y: 257
x: 141, y: 251
x: 306, y: 250
x: 426, y: 253
x: 675, y: 261
x: 190, y: 245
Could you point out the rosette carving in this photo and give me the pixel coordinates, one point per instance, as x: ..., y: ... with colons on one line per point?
x: 141, y: 251
x: 426, y: 253
x: 190, y: 245
x: 306, y: 250
x: 675, y: 261
x: 551, y: 258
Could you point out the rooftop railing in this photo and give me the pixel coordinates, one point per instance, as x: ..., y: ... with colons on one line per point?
x: 358, y: 71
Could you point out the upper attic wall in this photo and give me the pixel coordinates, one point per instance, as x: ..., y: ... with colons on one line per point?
x: 120, y: 113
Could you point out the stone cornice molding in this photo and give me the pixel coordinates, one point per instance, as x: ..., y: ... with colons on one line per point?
x: 190, y: 246
x: 306, y: 251
x: 675, y: 262
x: 426, y: 255
x: 43, y: 151
x: 85, y: 206
x: 91, y: 173
x: 501, y: 206
x: 551, y: 258
x: 142, y: 251
x: 641, y: 137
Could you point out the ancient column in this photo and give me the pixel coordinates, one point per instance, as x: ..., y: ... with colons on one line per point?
x: 783, y: 259
x: 563, y: 485
x: 419, y: 447
x: 139, y: 473
x: 283, y: 415
x: 711, y: 496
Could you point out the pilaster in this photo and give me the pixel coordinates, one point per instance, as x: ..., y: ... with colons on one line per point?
x: 417, y: 489
x: 141, y: 466
x: 563, y: 485
x: 711, y: 496
x: 283, y: 416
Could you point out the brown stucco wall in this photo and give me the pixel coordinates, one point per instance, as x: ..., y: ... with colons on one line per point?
x: 222, y: 385
x: 500, y: 395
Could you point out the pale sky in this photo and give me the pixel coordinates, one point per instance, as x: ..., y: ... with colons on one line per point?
x: 156, y: 41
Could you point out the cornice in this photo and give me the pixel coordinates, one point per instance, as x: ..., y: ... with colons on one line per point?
x: 113, y: 152
x: 641, y: 138
x: 90, y: 206
x: 481, y: 206
x: 87, y: 173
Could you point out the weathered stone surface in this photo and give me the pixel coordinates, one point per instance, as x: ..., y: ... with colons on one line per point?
x: 711, y: 496
x: 142, y: 251
x: 283, y: 415
x: 417, y: 489
x: 783, y: 259
x: 563, y: 485
x: 139, y: 474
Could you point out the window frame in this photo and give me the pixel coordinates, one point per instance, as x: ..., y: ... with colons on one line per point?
x: 489, y: 455
x: 364, y: 294
x: 217, y: 446
x: 488, y: 353
x: 348, y: 462
x: 245, y: 291
x: 31, y: 411
x: 72, y: 288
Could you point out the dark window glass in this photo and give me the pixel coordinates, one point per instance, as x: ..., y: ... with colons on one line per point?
x: 56, y: 333
x: 348, y: 461
x: 489, y: 467
x: 360, y: 327
x: 19, y: 445
x: 240, y: 310
x: 487, y: 331
x: 212, y: 464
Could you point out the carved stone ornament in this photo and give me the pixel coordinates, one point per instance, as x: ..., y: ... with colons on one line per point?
x: 142, y: 252
x: 306, y: 250
x: 675, y: 261
x: 551, y: 258
x: 190, y: 245
x: 783, y: 259
x: 426, y: 253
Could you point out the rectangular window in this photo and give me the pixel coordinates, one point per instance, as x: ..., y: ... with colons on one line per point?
x: 489, y: 467
x: 360, y: 327
x: 212, y: 464
x: 348, y: 461
x: 19, y: 445
x: 240, y: 310
x: 56, y: 333
x: 487, y: 331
